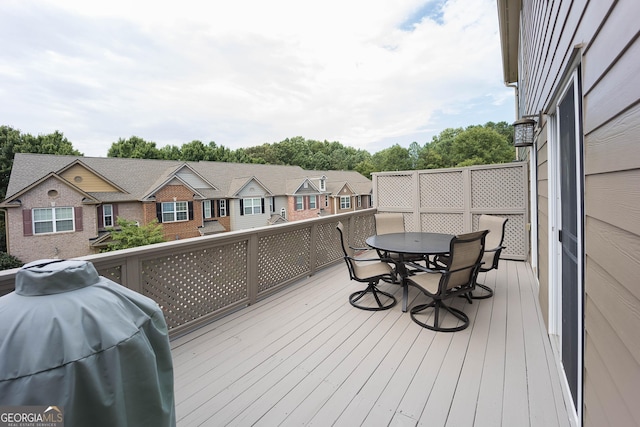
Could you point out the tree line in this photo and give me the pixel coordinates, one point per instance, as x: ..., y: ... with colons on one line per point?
x: 474, y: 145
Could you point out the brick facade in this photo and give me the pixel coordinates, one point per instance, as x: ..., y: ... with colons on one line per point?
x: 306, y: 212
x: 180, y: 229
x: 50, y: 193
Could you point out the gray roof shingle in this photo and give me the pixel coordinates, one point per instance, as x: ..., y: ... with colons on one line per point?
x: 140, y: 176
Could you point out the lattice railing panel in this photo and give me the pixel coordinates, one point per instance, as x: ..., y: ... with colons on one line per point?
x: 363, y: 227
x: 282, y: 256
x: 450, y: 223
x: 410, y: 222
x: 395, y: 190
x: 192, y: 284
x: 327, y: 244
x: 112, y: 273
x: 442, y: 190
x: 485, y: 185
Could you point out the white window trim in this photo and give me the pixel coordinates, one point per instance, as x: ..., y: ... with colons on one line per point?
x: 223, y: 208
x: 345, y: 202
x: 313, y: 202
x: 105, y: 216
x: 207, y: 210
x: 53, y: 220
x: 175, y: 211
x: 252, y: 205
x: 299, y: 203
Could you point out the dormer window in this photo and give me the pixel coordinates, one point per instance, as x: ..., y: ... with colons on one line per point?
x: 323, y: 184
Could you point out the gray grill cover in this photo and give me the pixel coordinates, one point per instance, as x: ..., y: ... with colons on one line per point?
x: 71, y: 338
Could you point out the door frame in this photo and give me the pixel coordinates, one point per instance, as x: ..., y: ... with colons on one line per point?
x: 555, y: 246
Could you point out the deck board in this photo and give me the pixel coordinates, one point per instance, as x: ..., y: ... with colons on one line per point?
x: 305, y: 356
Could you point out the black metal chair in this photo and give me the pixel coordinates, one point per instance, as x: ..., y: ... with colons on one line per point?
x: 369, y: 271
x: 458, y: 277
x: 393, y: 222
x: 495, y: 225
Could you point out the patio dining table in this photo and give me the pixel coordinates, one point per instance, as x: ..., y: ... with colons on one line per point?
x: 410, y: 243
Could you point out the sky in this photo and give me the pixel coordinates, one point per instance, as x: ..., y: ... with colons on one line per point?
x: 366, y: 73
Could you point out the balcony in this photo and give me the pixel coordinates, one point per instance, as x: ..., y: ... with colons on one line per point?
x: 262, y: 332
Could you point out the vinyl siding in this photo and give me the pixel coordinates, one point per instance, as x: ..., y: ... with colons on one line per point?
x: 605, y: 34
x: 86, y: 180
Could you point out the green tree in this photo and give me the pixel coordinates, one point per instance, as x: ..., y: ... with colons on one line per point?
x: 394, y: 158
x: 131, y: 235
x: 474, y: 145
x: 170, y: 152
x: 134, y: 148
x: 264, y: 153
x: 12, y: 141
x: 480, y: 146
x: 194, y: 151
x: 365, y: 168
x: 414, y: 153
x: 437, y: 153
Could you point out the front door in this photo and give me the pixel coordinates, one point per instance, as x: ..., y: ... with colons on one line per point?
x: 569, y: 224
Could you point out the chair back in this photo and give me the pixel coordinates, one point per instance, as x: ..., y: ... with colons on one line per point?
x: 387, y: 223
x: 495, y: 225
x: 466, y: 252
x: 346, y: 249
x: 358, y: 272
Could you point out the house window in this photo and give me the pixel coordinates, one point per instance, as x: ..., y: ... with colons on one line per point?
x: 313, y: 202
x: 107, y: 215
x: 272, y: 207
x: 222, y: 208
x: 175, y: 211
x: 345, y: 202
x: 52, y: 220
x: 206, y: 209
x: 326, y: 201
x: 323, y: 185
x: 359, y: 201
x: 299, y: 203
x: 252, y: 206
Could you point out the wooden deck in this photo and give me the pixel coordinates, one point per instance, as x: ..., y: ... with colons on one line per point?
x: 306, y: 357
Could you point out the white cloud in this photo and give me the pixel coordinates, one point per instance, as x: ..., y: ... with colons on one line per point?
x: 247, y: 72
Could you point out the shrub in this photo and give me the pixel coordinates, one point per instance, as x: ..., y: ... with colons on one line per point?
x: 9, y: 261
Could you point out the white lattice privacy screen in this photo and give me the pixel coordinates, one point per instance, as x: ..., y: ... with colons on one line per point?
x: 452, y: 200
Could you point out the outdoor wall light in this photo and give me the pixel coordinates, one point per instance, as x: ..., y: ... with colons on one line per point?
x: 523, y: 130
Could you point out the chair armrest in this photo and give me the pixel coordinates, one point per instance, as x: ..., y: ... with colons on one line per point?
x: 359, y: 249
x: 365, y: 259
x: 463, y: 268
x: 496, y: 249
x: 422, y: 268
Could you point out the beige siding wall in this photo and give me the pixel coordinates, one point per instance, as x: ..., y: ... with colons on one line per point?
x: 543, y: 222
x: 604, y: 36
x: 51, y: 245
x: 86, y: 180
